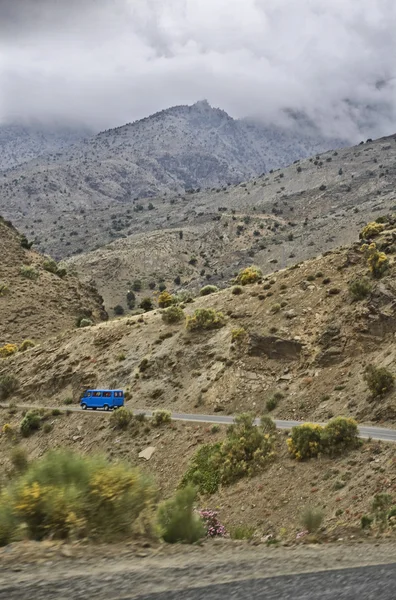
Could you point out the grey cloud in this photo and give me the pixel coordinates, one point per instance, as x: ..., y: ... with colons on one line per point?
x: 106, y: 62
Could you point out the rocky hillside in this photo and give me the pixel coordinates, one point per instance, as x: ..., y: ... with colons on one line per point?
x: 22, y: 143
x: 185, y: 147
x: 37, y: 299
x: 273, y: 221
x: 299, y: 332
x: 294, y: 345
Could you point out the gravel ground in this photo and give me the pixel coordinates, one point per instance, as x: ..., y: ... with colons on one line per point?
x: 228, y: 569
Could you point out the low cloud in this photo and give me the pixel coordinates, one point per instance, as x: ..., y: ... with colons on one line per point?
x: 107, y: 62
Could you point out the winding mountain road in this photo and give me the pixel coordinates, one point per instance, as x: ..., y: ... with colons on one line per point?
x: 365, y: 431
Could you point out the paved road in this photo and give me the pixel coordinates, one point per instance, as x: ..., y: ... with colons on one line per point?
x: 364, y: 583
x: 365, y: 431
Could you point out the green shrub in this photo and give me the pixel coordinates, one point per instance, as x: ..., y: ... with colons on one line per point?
x: 271, y: 404
x: 249, y: 275
x: 377, y: 261
x: 19, y: 459
x: 360, y: 288
x: 85, y: 322
x: 208, y: 289
x: 177, y: 519
x: 242, y: 532
x: 26, y: 344
x: 160, y: 417
x: 8, y: 385
x: 118, y: 310
x: 68, y: 401
x: 205, y: 318
x: 4, y: 289
x: 238, y: 335
x: 8, y: 523
x: 173, y: 314
x: 237, y: 290
x: 380, y: 381
x: 25, y: 243
x: 246, y: 450
x: 202, y: 471
x: 121, y: 418
x: 137, y: 285
x: 30, y: 423
x: 64, y: 494
x: 312, y: 519
x: 339, y: 435
x: 365, y: 522
x: 47, y: 427
x: 275, y: 308
x: 146, y: 304
x: 55, y: 412
x: 131, y: 299
x: 29, y: 272
x: 50, y: 266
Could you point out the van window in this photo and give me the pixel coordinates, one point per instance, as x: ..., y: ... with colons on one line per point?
x: 97, y: 394
x: 87, y: 394
x: 107, y: 394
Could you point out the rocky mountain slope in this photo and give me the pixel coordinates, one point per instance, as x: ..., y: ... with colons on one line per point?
x: 185, y: 147
x: 275, y: 220
x: 37, y: 300
x: 298, y: 332
x: 22, y: 143
x: 297, y: 337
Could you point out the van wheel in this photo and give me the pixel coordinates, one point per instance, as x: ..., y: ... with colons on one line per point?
x: 106, y: 407
x: 84, y: 406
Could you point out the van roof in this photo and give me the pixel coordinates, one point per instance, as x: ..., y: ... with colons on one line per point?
x: 103, y: 390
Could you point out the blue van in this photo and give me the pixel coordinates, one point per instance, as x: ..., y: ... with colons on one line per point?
x: 105, y: 399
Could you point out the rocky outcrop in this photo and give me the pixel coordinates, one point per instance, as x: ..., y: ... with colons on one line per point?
x: 274, y: 347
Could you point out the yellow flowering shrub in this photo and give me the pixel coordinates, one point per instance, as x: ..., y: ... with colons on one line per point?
x: 249, y: 275
x: 65, y: 495
x: 8, y: 350
x: 377, y: 261
x: 371, y: 230
x: 205, y: 318
x: 305, y: 441
x: 165, y: 299
x: 309, y: 440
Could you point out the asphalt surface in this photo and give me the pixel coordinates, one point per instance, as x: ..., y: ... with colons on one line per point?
x: 365, y: 431
x: 363, y: 583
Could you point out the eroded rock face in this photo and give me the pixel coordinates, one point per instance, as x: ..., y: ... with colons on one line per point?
x: 274, y: 347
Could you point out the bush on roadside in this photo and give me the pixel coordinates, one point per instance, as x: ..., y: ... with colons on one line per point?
x: 65, y: 495
x: 310, y: 440
x: 312, y: 519
x: 30, y: 423
x: 379, y: 380
x: 161, y: 417
x: 121, y: 418
x: 178, y: 520
x: 205, y: 318
x: 29, y: 272
x: 242, y: 532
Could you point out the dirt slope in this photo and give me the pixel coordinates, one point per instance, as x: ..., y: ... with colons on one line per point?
x: 40, y: 307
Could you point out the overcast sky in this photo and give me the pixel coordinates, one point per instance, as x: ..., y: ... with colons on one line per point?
x: 107, y: 62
